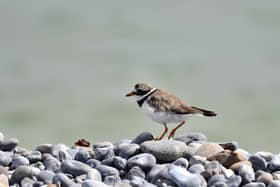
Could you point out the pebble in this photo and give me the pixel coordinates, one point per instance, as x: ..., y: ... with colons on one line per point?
x: 44, y: 148
x: 119, y: 162
x: 196, y: 168
x: 112, y: 180
x: 208, y: 150
x: 254, y: 184
x: 258, y: 162
x: 234, y: 181
x: 144, y: 160
x: 34, y: 156
x: 247, y: 174
x: 128, y: 150
x: 107, y: 171
x: 266, y: 155
x: 274, y: 164
x: 82, y: 155
x: 4, y: 181
x: 274, y: 183
x: 8, y: 144
x: 184, y: 178
x: 24, y: 171
x: 135, y: 171
x: 62, y: 180
x: 74, y: 167
x: 92, y: 183
x: 265, y: 178
x: 181, y: 162
x: 140, y: 182
x: 165, y: 150
x: 159, y: 171
x: 45, y: 176
x: 102, y: 153
x: 19, y: 161
x: 5, y: 158
x: 145, y: 136
x: 216, y: 179
x: 93, y: 163
x: 188, y: 138
x: 52, y: 164
x: 235, y: 167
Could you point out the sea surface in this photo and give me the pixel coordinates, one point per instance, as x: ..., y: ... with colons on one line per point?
x: 65, y: 67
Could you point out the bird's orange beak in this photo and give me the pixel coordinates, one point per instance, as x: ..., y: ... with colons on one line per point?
x: 130, y: 94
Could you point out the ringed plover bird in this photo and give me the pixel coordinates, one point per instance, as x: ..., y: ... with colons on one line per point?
x: 163, y: 107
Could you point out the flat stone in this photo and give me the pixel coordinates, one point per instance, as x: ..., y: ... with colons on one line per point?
x: 190, y: 137
x: 44, y: 148
x: 145, y: 136
x: 165, y: 150
x: 183, y: 178
x: 209, y: 149
x: 8, y: 144
x: 23, y: 171
x: 144, y: 160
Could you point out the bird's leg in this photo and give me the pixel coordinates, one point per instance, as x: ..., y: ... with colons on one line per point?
x: 171, y: 135
x: 164, y: 132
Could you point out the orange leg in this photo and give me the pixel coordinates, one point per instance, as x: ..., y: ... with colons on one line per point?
x: 171, y: 135
x: 164, y: 132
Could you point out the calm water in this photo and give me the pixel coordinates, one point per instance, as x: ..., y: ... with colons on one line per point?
x: 66, y: 66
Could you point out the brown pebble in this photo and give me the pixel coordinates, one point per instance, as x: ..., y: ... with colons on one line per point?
x: 235, y: 167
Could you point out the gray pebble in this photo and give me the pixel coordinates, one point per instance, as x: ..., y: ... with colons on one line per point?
x: 107, y: 171
x: 128, y: 150
x: 82, y: 155
x: 247, y: 174
x: 191, y: 137
x: 274, y: 164
x: 102, y: 145
x: 92, y: 183
x: 140, y: 182
x: 74, y: 167
x: 197, y: 160
x: 27, y: 182
x: 108, y: 161
x: 23, y: 171
x: 102, y: 153
x: 265, y: 178
x: 56, y: 148
x: 19, y: 161
x: 112, y: 180
x: 52, y: 164
x: 34, y: 156
x: 144, y: 160
x: 119, y: 163
x: 93, y: 163
x: 5, y: 158
x: 94, y: 175
x: 196, y: 168
x: 44, y: 148
x: 258, y: 162
x: 38, y: 165
x: 145, y: 136
x: 266, y: 155
x: 65, y: 155
x: 181, y: 162
x: 8, y: 144
x: 213, y: 168
x: 46, y: 176
x: 62, y: 180
x: 274, y: 183
x: 165, y: 150
x: 215, y: 179
x: 234, y: 181
x: 184, y: 178
x: 254, y: 184
x: 159, y: 171
x: 135, y: 171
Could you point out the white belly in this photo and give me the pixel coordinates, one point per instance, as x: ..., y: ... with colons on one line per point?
x: 162, y: 117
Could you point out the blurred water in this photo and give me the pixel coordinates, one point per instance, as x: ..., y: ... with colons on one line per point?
x: 65, y: 67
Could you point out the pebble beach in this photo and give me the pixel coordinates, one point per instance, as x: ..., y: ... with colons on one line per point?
x: 189, y: 160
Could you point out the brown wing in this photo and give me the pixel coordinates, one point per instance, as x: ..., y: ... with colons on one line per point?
x: 164, y: 101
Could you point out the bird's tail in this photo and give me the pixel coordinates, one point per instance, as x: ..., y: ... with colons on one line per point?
x: 204, y: 112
